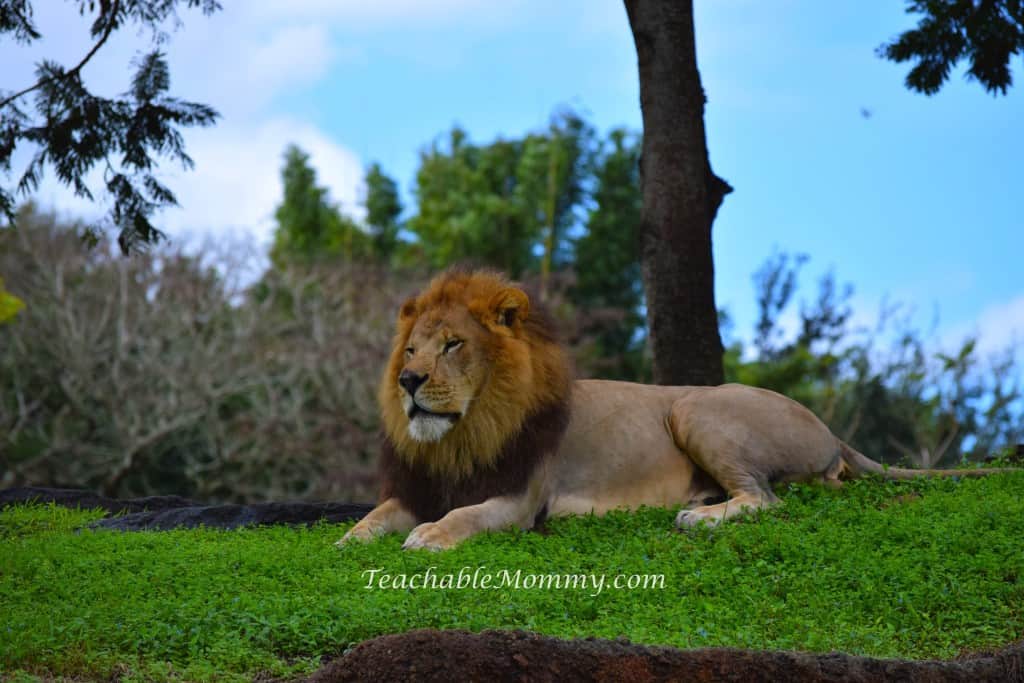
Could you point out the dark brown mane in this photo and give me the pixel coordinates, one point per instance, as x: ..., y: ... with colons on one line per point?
x: 430, y: 496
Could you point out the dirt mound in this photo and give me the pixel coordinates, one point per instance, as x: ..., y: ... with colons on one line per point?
x: 431, y: 655
x: 159, y: 513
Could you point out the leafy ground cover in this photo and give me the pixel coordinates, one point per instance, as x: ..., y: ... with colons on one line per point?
x: 921, y: 569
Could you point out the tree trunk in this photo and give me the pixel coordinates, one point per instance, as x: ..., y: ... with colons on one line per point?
x: 681, y: 196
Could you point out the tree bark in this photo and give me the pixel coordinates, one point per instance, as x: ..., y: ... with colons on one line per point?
x: 681, y: 196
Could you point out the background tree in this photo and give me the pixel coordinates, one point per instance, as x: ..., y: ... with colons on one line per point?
x: 509, y: 204
x: 986, y: 33
x: 383, y: 211
x: 561, y: 159
x: 164, y: 373
x: 309, y: 225
x: 681, y: 196
x: 469, y: 205
x: 881, y: 389
x: 74, y: 131
x: 607, y: 290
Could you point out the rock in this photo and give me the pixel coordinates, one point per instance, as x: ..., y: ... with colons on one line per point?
x: 159, y: 513
x: 87, y: 500
x: 234, y: 516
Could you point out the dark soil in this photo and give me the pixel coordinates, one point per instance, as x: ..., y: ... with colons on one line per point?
x: 430, y: 655
x: 160, y: 513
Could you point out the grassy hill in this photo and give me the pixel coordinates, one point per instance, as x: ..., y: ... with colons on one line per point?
x: 921, y: 569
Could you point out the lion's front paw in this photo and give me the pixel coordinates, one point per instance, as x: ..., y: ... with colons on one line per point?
x: 430, y: 535
x: 691, y: 518
x: 363, y: 533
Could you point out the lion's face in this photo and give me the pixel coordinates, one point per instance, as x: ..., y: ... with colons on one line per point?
x: 444, y: 369
x: 470, y: 361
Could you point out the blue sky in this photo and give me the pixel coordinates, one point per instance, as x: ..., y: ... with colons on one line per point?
x: 919, y: 202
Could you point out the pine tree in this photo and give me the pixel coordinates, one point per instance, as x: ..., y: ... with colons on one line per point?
x: 383, y: 211
x: 508, y: 204
x: 308, y: 224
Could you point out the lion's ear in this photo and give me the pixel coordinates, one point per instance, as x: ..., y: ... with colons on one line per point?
x: 408, y: 309
x: 509, y: 306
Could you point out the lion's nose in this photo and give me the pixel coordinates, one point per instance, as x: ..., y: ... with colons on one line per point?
x: 410, y: 381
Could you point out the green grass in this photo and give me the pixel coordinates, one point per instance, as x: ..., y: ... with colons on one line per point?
x: 914, y: 569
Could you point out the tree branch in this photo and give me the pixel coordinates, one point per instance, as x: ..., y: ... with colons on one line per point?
x: 114, y: 8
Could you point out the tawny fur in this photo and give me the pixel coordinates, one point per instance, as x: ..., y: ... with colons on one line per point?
x: 626, y: 445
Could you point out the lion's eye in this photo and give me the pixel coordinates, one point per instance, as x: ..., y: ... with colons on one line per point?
x: 452, y: 345
x: 409, y: 350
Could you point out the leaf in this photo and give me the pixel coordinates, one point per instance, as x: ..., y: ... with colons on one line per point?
x: 152, y: 78
x: 10, y: 305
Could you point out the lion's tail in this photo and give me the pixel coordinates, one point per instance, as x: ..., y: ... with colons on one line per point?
x: 859, y: 464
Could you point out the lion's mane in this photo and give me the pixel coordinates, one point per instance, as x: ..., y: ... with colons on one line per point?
x: 517, y: 419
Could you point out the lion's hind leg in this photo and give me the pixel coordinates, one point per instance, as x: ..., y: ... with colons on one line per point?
x: 830, y: 479
x: 745, y: 501
x: 729, y: 449
x: 748, y: 439
x: 747, y: 494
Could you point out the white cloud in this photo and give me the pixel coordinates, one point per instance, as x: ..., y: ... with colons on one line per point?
x: 998, y: 327
x: 242, y: 61
x: 238, y: 61
x: 237, y: 179
x: 240, y: 66
x: 236, y: 182
x: 240, y: 72
x: 293, y: 54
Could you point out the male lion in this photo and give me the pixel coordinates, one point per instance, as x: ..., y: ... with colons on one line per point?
x: 484, y: 428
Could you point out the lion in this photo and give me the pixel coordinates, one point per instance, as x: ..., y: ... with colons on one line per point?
x: 484, y: 428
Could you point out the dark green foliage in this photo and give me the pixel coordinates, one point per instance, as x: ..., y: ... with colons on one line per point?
x: 309, y: 225
x: 896, y: 404
x: 558, y: 208
x: 916, y: 569
x: 383, y: 209
x: 74, y: 131
x: 508, y: 204
x: 986, y: 33
x: 16, y: 18
x: 555, y: 167
x: 607, y: 290
x: 468, y: 205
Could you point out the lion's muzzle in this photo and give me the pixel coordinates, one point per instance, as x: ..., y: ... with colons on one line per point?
x: 411, y: 381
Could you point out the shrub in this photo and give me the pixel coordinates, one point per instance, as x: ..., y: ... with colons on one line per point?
x: 160, y: 373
